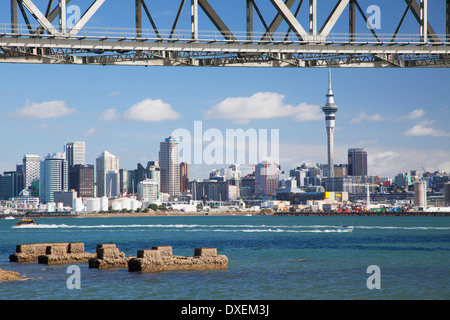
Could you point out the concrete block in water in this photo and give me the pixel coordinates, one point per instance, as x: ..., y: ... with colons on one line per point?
x: 162, y: 259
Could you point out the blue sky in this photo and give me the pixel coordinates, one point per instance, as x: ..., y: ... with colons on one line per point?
x: 400, y: 116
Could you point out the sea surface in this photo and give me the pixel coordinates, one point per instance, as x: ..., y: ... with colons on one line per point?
x: 270, y: 258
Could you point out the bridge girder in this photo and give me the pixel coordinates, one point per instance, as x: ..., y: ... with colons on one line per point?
x: 43, y: 42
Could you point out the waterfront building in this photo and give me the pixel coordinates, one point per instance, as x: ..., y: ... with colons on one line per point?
x: 247, y: 186
x: 184, y: 177
x: 65, y: 197
x: 147, y: 190
x: 75, y: 152
x: 31, y: 169
x: 112, y: 180
x: 54, y: 176
x: 357, y: 162
x: 330, y: 110
x: 169, y: 161
x: 6, y: 187
x: 266, y: 178
x: 447, y: 194
x: 420, y: 195
x: 12, y: 183
x: 154, y: 172
x: 81, y: 179
x: 105, y: 163
x: 212, y: 190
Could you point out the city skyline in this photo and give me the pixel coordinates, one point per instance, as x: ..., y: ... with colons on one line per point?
x: 400, y: 116
x: 397, y: 159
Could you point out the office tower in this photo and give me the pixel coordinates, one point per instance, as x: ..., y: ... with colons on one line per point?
x: 147, y: 190
x: 75, y: 152
x: 105, y: 162
x: 54, y: 176
x: 6, y: 187
x: 330, y: 110
x: 266, y: 178
x: 125, y: 181
x: 357, y: 162
x: 17, y: 181
x: 81, y: 179
x: 112, y: 184
x: 154, y: 172
x: 31, y: 169
x: 447, y: 194
x: 184, y: 177
x: 169, y: 161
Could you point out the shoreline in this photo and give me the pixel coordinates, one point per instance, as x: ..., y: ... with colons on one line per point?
x: 230, y: 213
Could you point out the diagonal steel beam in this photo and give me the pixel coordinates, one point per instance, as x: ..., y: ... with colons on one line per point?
x: 290, y: 18
x: 361, y: 11
x: 333, y: 17
x: 86, y: 16
x: 37, y: 14
x: 149, y: 16
x: 216, y: 20
x: 176, y: 18
x: 50, y: 16
x: 277, y: 20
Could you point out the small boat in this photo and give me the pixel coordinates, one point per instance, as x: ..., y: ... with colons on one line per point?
x: 26, y: 222
x: 9, y: 218
x: 344, y: 228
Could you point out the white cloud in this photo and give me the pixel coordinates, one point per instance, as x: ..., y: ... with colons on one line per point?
x: 43, y: 110
x: 262, y: 105
x: 109, y: 115
x: 416, y: 114
x: 151, y: 110
x: 365, y: 117
x: 423, y: 129
x: 90, y: 132
x: 114, y: 93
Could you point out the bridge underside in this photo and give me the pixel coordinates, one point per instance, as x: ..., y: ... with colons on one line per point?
x: 297, y: 47
x: 104, y: 52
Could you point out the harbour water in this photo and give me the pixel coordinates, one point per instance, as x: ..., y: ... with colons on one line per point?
x: 270, y: 258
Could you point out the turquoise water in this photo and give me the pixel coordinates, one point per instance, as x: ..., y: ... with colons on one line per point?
x: 266, y: 258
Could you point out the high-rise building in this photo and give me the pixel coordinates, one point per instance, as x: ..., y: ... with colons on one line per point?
x: 104, y: 163
x: 357, y: 162
x: 54, y: 176
x: 266, y: 178
x: 31, y: 169
x: 184, y: 177
x: 112, y: 184
x: 6, y: 187
x: 154, y: 172
x: 169, y: 161
x: 330, y: 110
x: 75, y: 152
x: 81, y: 179
x: 147, y: 190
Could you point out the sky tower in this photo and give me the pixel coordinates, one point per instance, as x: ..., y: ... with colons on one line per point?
x: 330, y: 110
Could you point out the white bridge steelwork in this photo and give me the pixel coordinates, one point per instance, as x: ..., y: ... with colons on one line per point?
x: 43, y: 42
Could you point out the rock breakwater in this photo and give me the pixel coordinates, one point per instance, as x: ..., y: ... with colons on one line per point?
x: 107, y: 256
x: 161, y: 259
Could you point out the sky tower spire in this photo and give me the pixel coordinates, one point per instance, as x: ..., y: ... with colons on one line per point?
x: 330, y: 110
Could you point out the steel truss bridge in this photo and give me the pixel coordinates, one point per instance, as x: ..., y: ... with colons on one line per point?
x: 44, y: 37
